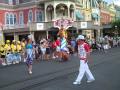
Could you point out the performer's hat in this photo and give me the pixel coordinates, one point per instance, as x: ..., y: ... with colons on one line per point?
x: 81, y: 37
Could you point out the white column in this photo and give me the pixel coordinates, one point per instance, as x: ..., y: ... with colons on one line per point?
x: 16, y: 37
x: 47, y: 34
x: 45, y: 13
x: 54, y: 12
x: 68, y: 11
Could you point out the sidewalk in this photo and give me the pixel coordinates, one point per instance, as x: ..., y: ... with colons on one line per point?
x: 16, y: 77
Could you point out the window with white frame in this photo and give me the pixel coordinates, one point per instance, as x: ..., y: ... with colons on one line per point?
x: 7, y: 18
x: 21, y: 18
x: 39, y: 16
x: 11, y: 19
x: 11, y: 2
x: 30, y: 16
x: 17, y: 2
x: 15, y: 20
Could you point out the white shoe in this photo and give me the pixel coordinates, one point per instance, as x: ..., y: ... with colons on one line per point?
x: 30, y: 72
x: 24, y: 60
x: 17, y: 62
x: 9, y: 63
x: 56, y: 57
x: 89, y: 81
x: 4, y: 64
x: 14, y: 62
x: 75, y: 83
x: 53, y: 57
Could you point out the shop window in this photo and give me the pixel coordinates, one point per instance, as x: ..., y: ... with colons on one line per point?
x: 30, y: 16
x: 7, y: 18
x: 39, y: 16
x: 21, y: 18
x: 11, y: 2
x: 11, y: 19
x: 15, y: 19
x: 17, y: 2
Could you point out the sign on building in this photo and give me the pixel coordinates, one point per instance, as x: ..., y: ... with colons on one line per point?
x: 83, y: 25
x: 63, y: 22
x: 40, y: 26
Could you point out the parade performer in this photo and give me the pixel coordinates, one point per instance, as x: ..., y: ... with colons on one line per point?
x: 83, y: 53
x: 29, y: 54
x: 19, y: 49
x: 63, y: 44
x: 8, y: 54
x: 14, y: 52
x: 62, y: 32
x: 23, y: 42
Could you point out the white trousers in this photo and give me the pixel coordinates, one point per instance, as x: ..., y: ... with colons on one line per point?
x: 84, y: 69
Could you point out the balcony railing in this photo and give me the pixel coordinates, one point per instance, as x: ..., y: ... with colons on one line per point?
x: 40, y: 26
x: 6, y: 27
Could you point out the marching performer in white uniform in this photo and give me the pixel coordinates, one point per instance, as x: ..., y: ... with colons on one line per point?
x: 83, y: 52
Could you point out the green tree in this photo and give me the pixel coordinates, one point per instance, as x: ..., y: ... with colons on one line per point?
x: 116, y: 26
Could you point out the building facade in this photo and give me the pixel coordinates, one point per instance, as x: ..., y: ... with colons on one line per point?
x: 43, y: 17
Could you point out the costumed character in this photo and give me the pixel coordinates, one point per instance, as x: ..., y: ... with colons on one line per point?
x: 63, y: 47
x: 8, y: 54
x: 62, y: 32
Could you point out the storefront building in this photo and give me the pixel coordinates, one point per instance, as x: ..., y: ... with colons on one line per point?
x: 43, y: 17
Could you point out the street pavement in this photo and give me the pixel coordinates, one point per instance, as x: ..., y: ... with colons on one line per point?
x: 54, y: 75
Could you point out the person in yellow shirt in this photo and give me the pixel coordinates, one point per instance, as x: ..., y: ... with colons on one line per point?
x: 23, y: 42
x: 8, y: 54
x: 13, y: 47
x: 2, y: 54
x: 19, y: 49
x: 14, y: 51
x: 7, y: 47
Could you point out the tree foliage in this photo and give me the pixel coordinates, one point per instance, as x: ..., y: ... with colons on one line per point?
x: 116, y: 23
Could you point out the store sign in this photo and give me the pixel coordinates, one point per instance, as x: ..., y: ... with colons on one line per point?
x: 40, y: 26
x: 83, y: 25
x: 63, y: 22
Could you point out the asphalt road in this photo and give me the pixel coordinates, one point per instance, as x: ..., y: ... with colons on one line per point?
x: 52, y: 75
x: 107, y: 75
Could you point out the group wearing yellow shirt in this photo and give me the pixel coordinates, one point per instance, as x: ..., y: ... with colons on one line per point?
x: 12, y: 51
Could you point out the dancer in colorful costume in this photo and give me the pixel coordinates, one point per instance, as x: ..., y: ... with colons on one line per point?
x: 63, y: 47
x: 29, y: 52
